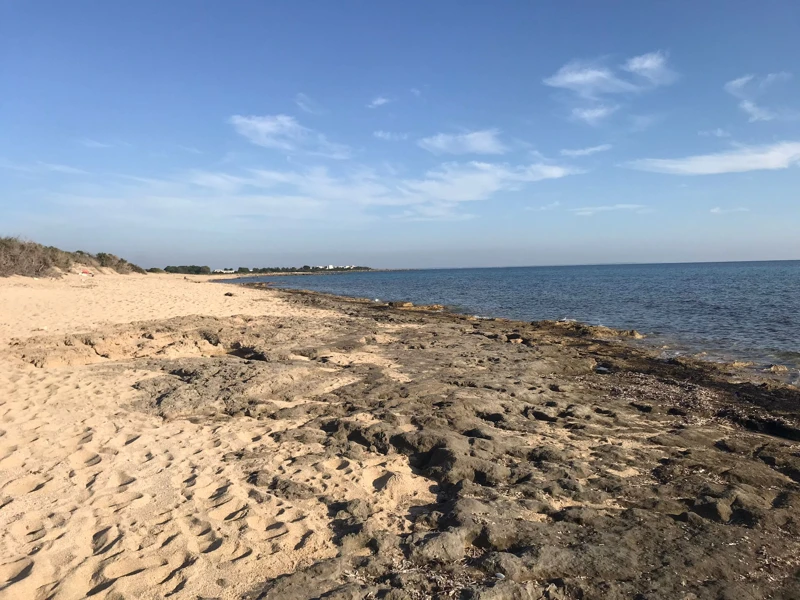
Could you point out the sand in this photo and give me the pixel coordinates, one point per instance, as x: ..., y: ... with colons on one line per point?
x: 159, y: 438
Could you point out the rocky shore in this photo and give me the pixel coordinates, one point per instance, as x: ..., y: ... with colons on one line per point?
x: 336, y: 448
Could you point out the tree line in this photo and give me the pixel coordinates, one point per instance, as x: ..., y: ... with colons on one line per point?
x: 206, y: 270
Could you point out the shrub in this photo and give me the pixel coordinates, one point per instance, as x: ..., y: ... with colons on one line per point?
x: 20, y: 257
x: 189, y: 270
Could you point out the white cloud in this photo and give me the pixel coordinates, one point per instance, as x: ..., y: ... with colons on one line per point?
x: 718, y: 132
x: 739, y: 160
x: 454, y: 182
x: 443, y: 211
x: 305, y: 103
x: 587, y: 151
x: 595, y: 114
x: 593, y: 83
x: 589, y: 81
x: 190, y: 149
x: 721, y: 211
x: 588, y: 211
x: 748, y: 88
x: 653, y: 67
x: 755, y: 112
x: 283, y: 132
x: 94, y: 143
x: 41, y: 167
x: 345, y: 193
x: 378, y: 101
x: 416, y: 92
x: 642, y: 122
x: 474, y: 142
x: 390, y: 136
x: 546, y: 207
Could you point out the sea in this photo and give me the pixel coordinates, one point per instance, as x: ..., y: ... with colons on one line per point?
x: 745, y: 311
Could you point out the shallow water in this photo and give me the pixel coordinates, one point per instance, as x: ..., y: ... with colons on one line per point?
x: 746, y: 310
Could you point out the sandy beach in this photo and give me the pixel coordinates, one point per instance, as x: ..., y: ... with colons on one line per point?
x: 166, y: 436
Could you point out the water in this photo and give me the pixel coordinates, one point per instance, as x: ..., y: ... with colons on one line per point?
x: 746, y: 311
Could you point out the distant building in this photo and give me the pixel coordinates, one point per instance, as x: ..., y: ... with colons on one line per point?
x: 225, y: 271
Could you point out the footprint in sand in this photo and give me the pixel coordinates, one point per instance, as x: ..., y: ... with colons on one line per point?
x: 120, y: 480
x: 105, y: 539
x: 83, y: 459
x: 204, y: 539
x: 15, y: 571
x: 28, y: 530
x: 126, y: 567
x: 25, y: 485
x: 233, y: 509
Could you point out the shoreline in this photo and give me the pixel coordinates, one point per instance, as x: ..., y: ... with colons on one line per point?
x: 165, y: 436
x: 668, y: 347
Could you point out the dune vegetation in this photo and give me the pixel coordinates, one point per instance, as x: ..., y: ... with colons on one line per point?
x: 22, y: 257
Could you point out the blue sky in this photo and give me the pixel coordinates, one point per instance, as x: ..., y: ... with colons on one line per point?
x: 402, y: 134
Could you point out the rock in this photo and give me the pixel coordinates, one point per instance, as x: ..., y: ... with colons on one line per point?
x: 446, y: 547
x: 401, y: 304
x: 632, y: 333
x: 543, y: 414
x: 714, y: 509
x: 777, y: 369
x: 229, y: 294
x: 503, y: 565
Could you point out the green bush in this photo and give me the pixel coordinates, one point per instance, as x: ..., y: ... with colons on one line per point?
x: 189, y: 270
x: 20, y: 257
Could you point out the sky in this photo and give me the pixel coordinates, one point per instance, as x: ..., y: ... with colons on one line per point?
x: 402, y: 134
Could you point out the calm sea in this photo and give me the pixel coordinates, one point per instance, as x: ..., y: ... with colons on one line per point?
x: 746, y: 310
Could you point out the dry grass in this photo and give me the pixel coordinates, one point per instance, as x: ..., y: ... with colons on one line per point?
x: 20, y: 257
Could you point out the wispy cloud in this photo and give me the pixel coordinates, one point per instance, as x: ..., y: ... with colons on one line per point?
x: 739, y: 160
x: 41, y: 167
x: 437, y: 193
x: 748, y: 88
x: 89, y: 143
x: 416, y: 92
x: 378, y: 101
x: 545, y: 207
x: 588, y: 80
x: 283, y: 132
x: 588, y: 211
x: 593, y: 83
x: 718, y: 132
x: 595, y: 114
x: 305, y: 103
x: 390, y: 136
x: 652, y: 67
x: 642, y: 122
x: 485, y: 141
x: 722, y: 211
x: 454, y: 182
x: 587, y: 151
x: 190, y: 149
